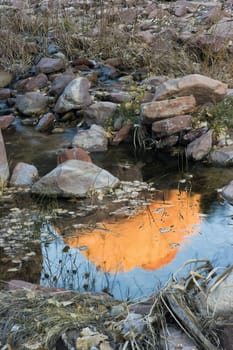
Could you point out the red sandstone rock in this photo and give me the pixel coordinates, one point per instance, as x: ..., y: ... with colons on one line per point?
x: 74, y: 153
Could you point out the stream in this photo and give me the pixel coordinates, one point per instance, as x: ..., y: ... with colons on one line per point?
x: 129, y: 257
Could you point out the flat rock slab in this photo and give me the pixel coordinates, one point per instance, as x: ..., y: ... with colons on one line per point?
x: 203, y: 88
x: 222, y: 156
x: 75, y: 178
x: 163, y: 109
x: 172, y: 126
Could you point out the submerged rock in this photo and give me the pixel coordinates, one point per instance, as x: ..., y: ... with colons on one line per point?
x: 75, y: 178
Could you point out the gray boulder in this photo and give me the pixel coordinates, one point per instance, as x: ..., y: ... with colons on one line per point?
x: 222, y: 156
x: 227, y: 192
x: 23, y: 174
x: 100, y: 112
x: 200, y: 147
x: 75, y: 96
x: 203, y: 88
x: 4, y: 168
x: 92, y: 140
x: 75, y: 178
x: 32, y: 103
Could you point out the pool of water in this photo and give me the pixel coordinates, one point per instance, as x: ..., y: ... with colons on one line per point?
x: 131, y: 257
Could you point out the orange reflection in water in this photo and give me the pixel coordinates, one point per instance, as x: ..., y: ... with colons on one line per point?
x: 149, y: 239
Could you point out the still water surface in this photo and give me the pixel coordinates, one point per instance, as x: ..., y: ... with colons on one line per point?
x: 132, y: 257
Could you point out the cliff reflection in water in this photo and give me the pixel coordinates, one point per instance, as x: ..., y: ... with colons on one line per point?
x: 127, y: 257
x: 148, y: 240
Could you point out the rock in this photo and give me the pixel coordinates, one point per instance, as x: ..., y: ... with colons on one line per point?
x: 4, y: 168
x: 203, y: 88
x: 5, y: 121
x: 50, y: 65
x: 100, y: 112
x: 92, y: 140
x: 122, y: 134
x: 5, y: 93
x: 32, y: 103
x: 222, y: 156
x: 23, y: 174
x: 227, y: 192
x: 180, y: 8
x: 167, y: 142
x: 35, y: 83
x: 176, y: 339
x: 220, y: 299
x: 162, y: 109
x: 60, y: 83
x: 75, y: 178
x: 75, y: 96
x: 193, y: 135
x: 172, y: 126
x: 73, y: 153
x: 5, y: 78
x: 46, y: 122
x: 200, y: 148
x: 118, y: 97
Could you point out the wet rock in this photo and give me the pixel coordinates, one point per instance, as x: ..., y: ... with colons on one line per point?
x: 170, y: 126
x: 122, y: 134
x: 46, y: 122
x: 5, y: 78
x: 24, y: 175
x: 200, y: 147
x: 75, y: 178
x: 162, y: 109
x: 60, y: 83
x: 92, y: 140
x: 193, y: 135
x: 32, y: 103
x: 74, y: 153
x: 203, y: 88
x: 222, y: 156
x: 220, y: 299
x: 5, y: 93
x: 4, y: 168
x: 167, y: 142
x: 75, y: 96
x: 5, y: 121
x: 100, y: 112
x: 50, y: 65
x: 227, y: 192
